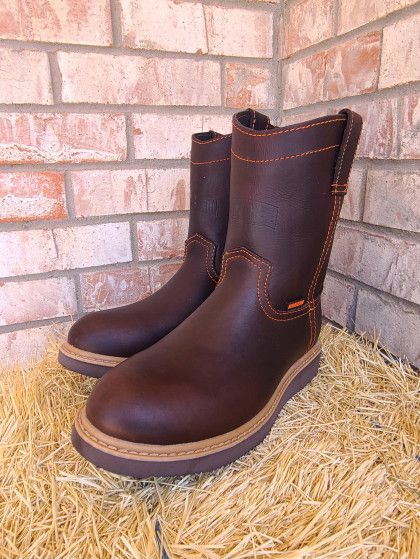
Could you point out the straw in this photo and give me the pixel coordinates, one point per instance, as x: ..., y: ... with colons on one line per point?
x: 338, y: 476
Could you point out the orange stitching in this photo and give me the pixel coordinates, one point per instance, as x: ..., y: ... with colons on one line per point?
x: 204, y: 142
x: 304, y: 154
x: 213, y: 161
x: 340, y: 188
x: 325, y: 248
x: 207, y: 243
x: 254, y: 119
x: 329, y: 237
x: 289, y: 130
x: 247, y: 255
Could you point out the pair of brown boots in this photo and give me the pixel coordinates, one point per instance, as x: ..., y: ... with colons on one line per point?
x: 195, y: 375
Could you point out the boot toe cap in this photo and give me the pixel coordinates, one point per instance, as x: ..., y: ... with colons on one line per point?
x: 88, y: 333
x: 144, y: 406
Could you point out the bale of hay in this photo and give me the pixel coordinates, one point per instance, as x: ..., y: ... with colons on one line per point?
x: 337, y: 477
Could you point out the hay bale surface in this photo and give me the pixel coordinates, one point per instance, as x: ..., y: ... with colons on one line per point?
x: 338, y: 476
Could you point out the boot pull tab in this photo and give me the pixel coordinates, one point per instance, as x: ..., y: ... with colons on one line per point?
x: 347, y: 152
x: 254, y: 120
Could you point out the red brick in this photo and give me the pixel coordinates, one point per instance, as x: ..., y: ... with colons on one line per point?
x: 162, y: 238
x: 400, y: 52
x: 102, y: 78
x: 93, y: 245
x: 301, y: 117
x: 109, y: 192
x: 353, y: 201
x: 26, y: 347
x: 352, y: 68
x: 169, y: 25
x: 160, y: 136
x: 58, y: 138
x: 354, y: 13
x: 29, y: 252
x: 337, y: 300
x: 162, y: 273
x: 306, y: 23
x: 66, y: 21
x: 32, y: 252
x: 303, y: 81
x: 239, y: 32
x: 379, y: 135
x: 25, y: 77
x: 248, y: 86
x: 112, y: 288
x: 348, y: 69
x: 394, y: 322
x: 167, y: 190
x: 410, y: 128
x: 382, y: 261
x: 393, y: 199
x: 32, y: 196
x: 36, y: 300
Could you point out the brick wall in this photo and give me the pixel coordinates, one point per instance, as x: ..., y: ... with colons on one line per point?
x: 97, y: 104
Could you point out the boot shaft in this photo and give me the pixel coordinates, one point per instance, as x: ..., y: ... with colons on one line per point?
x: 209, y: 197
x: 287, y: 188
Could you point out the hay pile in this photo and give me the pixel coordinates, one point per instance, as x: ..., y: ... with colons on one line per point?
x: 337, y: 477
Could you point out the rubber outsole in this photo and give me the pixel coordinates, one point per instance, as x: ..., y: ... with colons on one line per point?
x: 142, y: 460
x: 85, y: 362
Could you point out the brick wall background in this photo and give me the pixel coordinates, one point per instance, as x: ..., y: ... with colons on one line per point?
x: 97, y: 104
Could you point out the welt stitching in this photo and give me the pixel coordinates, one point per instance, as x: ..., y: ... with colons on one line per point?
x: 295, y: 155
x: 205, y: 142
x: 207, y: 244
x: 98, y: 361
x: 211, y: 447
x: 277, y: 132
x: 212, y: 161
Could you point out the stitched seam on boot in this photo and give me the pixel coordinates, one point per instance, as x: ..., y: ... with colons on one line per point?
x: 327, y: 243
x: 284, y: 157
x: 208, y: 162
x: 248, y: 256
x: 209, y: 258
x: 296, y: 129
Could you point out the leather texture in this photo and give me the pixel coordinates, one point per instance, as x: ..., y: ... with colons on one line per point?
x: 221, y: 365
x: 124, y: 331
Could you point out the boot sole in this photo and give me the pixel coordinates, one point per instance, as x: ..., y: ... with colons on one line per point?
x: 85, y: 362
x: 143, y: 460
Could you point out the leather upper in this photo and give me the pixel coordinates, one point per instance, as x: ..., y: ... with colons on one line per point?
x: 219, y: 368
x: 126, y: 330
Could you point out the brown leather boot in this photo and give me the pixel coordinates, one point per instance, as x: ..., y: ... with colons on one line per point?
x: 211, y: 390
x: 103, y: 339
